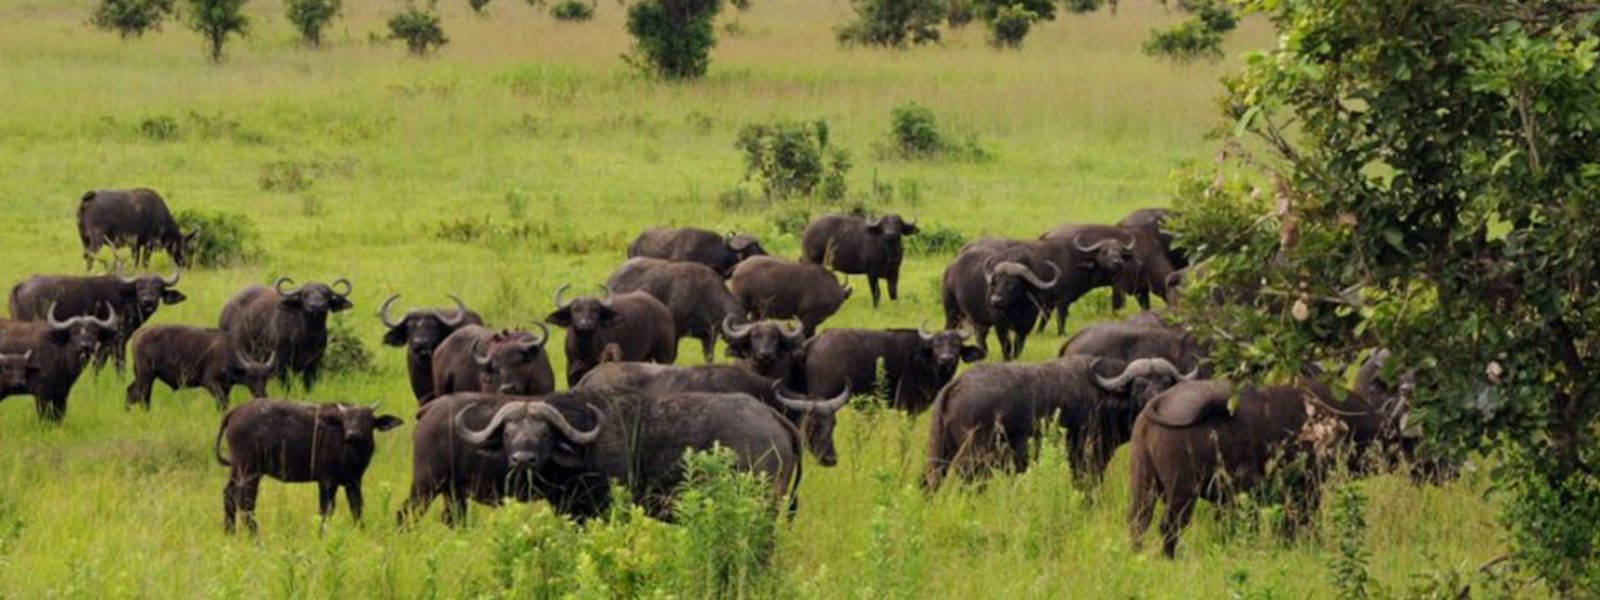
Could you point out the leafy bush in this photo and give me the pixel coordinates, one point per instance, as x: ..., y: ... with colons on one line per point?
x: 893, y: 23
x: 216, y: 21
x: 1348, y: 566
x: 793, y: 158
x: 730, y: 528
x: 934, y: 240
x: 958, y: 13
x: 346, y: 353
x: 419, y: 29
x: 914, y: 134
x: 572, y: 10
x: 226, y: 239
x: 131, y: 18
x: 672, y: 38
x: 310, y: 17
x: 1009, y: 25
x: 1198, y: 37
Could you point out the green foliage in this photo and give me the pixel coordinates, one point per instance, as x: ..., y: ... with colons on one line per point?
x: 1010, y: 24
x: 1197, y: 38
x: 216, y: 21
x: 730, y: 527
x: 914, y: 135
x: 894, y: 555
x: 419, y: 28
x: 1085, y: 6
x: 934, y: 240
x: 673, y: 38
x: 793, y: 158
x: 572, y: 10
x: 160, y: 128
x: 893, y: 23
x: 310, y: 17
x: 1241, y: 587
x: 958, y: 13
x: 1043, y: 10
x: 1552, y: 521
x: 347, y: 354
x: 1348, y: 566
x: 131, y: 18
x: 226, y: 239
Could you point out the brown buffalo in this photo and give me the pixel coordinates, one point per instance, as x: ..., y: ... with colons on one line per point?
x: 293, y: 324
x: 189, y: 357
x: 421, y: 331
x: 136, y: 219
x: 639, y: 325
x: 688, y: 244
x: 857, y: 245
x: 478, y: 359
x: 773, y: 288
x: 56, y: 352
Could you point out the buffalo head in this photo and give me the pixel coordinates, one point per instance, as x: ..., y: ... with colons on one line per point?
x: 314, y: 299
x: 16, y: 370
x: 891, y: 227
x: 816, y: 420
x: 744, y: 245
x: 252, y: 374
x: 1133, y: 384
x: 511, y: 362
x: 584, y: 316
x: 149, y: 292
x: 82, y: 334
x: 1109, y: 254
x: 528, y: 433
x: 947, y: 349
x: 184, y: 248
x: 1011, y: 282
x: 766, y: 343
x: 355, y: 425
x: 421, y: 331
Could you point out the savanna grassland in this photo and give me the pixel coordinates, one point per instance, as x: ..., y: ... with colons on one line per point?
x: 523, y: 124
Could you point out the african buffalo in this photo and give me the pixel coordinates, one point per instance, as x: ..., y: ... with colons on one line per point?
x: 1129, y: 342
x: 134, y: 298
x: 772, y: 288
x: 990, y: 413
x: 293, y: 324
x: 571, y: 446
x: 999, y: 284
x: 814, y: 418
x: 768, y: 348
x: 688, y: 244
x: 189, y: 357
x: 639, y: 325
x: 136, y: 219
x: 1149, y: 318
x: 421, y: 331
x: 696, y: 295
x: 1152, y: 221
x: 916, y: 363
x: 1091, y: 257
x: 294, y: 442
x: 870, y: 247
x: 479, y: 359
x: 56, y: 352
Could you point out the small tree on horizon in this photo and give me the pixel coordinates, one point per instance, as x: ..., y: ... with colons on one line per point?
x: 418, y: 28
x: 310, y: 17
x: 131, y: 18
x: 216, y: 21
x: 894, y: 23
x: 673, y: 38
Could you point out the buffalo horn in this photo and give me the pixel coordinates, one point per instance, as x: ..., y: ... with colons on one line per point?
x: 554, y: 417
x: 460, y: 314
x: 1033, y: 278
x: 559, y: 291
x: 177, y: 273
x: 794, y: 334
x: 734, y: 332
x: 482, y: 435
x: 1077, y: 242
x: 922, y: 331
x: 347, y: 287
x: 1139, y: 368
x: 829, y: 406
x: 481, y: 359
x: 383, y: 312
x: 109, y: 322
x: 277, y: 286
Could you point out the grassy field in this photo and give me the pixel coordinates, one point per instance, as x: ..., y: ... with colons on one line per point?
x: 524, y: 120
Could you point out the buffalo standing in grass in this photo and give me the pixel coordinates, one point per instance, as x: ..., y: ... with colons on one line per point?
x: 135, y: 219
x: 770, y: 349
x: 421, y: 331
x: 916, y: 363
x: 292, y: 324
x: 696, y: 295
x: 1129, y: 342
x: 688, y: 244
x: 478, y: 359
x: 134, y: 298
x: 1091, y: 257
x: 293, y: 442
x: 988, y: 415
x: 636, y: 323
x: 56, y: 352
x: 189, y: 357
x: 871, y: 247
x: 1152, y: 221
x: 570, y: 447
x: 814, y: 418
x: 771, y: 288
x: 998, y: 284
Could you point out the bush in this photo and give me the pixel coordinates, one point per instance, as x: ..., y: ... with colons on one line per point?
x: 160, y: 128
x: 572, y: 10
x: 1010, y: 25
x: 893, y: 23
x: 131, y: 18
x: 730, y: 528
x: 216, y: 21
x: 419, y: 29
x: 226, y: 239
x: 1199, y: 37
x: 934, y: 240
x: 958, y: 13
x: 346, y: 353
x: 792, y: 158
x: 310, y: 17
x: 673, y: 38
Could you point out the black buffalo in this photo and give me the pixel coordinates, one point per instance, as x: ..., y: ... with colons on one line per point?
x: 1129, y: 342
x: 1152, y: 221
x: 293, y: 324
x: 998, y: 284
x: 638, y: 325
x: 1092, y: 257
x: 688, y: 244
x: 770, y: 349
x: 696, y: 295
x: 421, y: 331
x: 293, y: 442
x: 134, y: 219
x: 134, y: 298
x: 56, y: 352
x: 772, y: 288
x: 479, y: 359
x: 871, y: 247
x: 189, y: 357
x: 915, y: 363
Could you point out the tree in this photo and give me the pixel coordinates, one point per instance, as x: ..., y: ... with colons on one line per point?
x: 131, y: 18
x: 310, y: 17
x: 216, y: 21
x: 419, y: 29
x: 673, y: 38
x: 894, y: 23
x: 1199, y: 37
x: 1010, y: 20
x: 1433, y: 187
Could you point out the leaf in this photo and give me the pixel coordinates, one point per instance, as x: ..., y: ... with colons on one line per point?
x: 1246, y: 121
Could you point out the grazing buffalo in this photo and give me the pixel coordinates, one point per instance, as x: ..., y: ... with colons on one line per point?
x: 998, y: 284
x: 293, y: 324
x: 814, y: 418
x: 688, y: 244
x: 772, y: 288
x: 478, y: 359
x: 695, y: 294
x: 55, y: 353
x: 421, y: 331
x: 570, y: 447
x: 1208, y: 440
x: 1092, y: 257
x: 191, y: 357
x: 770, y: 349
x: 636, y: 323
x: 916, y: 363
x: 989, y: 414
x: 134, y: 298
x: 870, y: 247
x: 1129, y: 342
x: 1151, y: 221
x: 134, y: 219
x: 294, y: 442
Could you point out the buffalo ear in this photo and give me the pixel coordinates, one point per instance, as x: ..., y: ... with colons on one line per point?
x: 560, y: 318
x: 387, y: 422
x: 340, y: 304
x: 566, y: 455
x: 972, y: 354
x: 170, y: 297
x: 908, y: 229
x: 397, y: 336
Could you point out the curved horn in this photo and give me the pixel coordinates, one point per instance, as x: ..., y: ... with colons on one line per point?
x: 796, y: 333
x: 1133, y: 240
x: 554, y: 417
x: 544, y: 336
x: 481, y: 359
x: 347, y: 287
x: 177, y: 274
x: 1138, y: 368
x: 456, y: 319
x: 1033, y: 278
x: 875, y: 221
x: 988, y: 265
x: 559, y: 291
x: 125, y: 279
x: 277, y: 286
x: 736, y: 243
x: 383, y: 312
x: 922, y: 331
x: 829, y: 406
x: 605, y: 300
x: 1077, y: 242
x: 734, y: 332
x: 482, y: 435
x: 244, y: 359
x: 57, y: 324
x: 110, y: 322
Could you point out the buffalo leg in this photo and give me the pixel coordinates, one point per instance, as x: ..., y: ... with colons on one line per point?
x: 327, y: 498
x: 981, y: 333
x: 50, y: 408
x: 218, y: 392
x: 1143, y: 505
x: 872, y: 284
x: 245, y: 491
x: 894, y: 286
x: 1179, y: 510
x: 352, y: 494
x: 139, y: 391
x: 1004, y: 335
x: 230, y: 505
x: 1061, y: 319
x: 708, y: 343
x: 455, y: 509
x: 417, y: 504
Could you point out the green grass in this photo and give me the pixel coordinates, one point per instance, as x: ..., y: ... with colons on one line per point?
x: 1082, y: 126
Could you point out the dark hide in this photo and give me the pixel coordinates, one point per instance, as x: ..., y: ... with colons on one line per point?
x: 863, y: 246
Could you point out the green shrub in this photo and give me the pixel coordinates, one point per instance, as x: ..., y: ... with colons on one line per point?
x: 730, y: 527
x: 346, y: 353
x: 893, y: 23
x: 914, y: 131
x: 1010, y: 25
x: 572, y: 10
x: 672, y: 38
x: 1348, y: 566
x: 130, y: 18
x: 934, y: 240
x: 1197, y: 38
x: 418, y: 28
x: 160, y: 128
x: 226, y: 239
x: 216, y: 21
x: 310, y: 17
x: 958, y: 13
x: 793, y: 158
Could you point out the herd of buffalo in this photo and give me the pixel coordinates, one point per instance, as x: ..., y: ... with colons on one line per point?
x: 492, y: 425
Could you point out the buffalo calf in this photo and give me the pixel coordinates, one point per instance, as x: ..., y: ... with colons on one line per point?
x: 478, y: 359
x: 189, y: 357
x: 772, y: 288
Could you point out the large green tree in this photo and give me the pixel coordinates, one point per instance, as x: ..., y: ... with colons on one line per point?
x: 1428, y: 178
